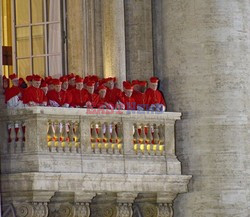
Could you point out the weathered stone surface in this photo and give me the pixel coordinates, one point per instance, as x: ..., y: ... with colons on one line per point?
x: 139, y: 48
x: 206, y: 51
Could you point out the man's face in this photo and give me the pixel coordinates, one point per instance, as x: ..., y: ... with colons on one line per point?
x: 128, y: 92
x: 72, y: 82
x: 79, y: 86
x: 15, y: 82
x: 58, y: 88
x: 51, y: 87
x: 90, y: 89
x: 110, y: 84
x: 153, y: 86
x: 65, y: 85
x: 137, y: 87
x: 102, y: 93
x: 36, y: 84
x: 45, y: 90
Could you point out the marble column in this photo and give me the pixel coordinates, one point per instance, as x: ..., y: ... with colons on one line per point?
x: 113, y: 35
x: 206, y: 77
x: 139, y: 47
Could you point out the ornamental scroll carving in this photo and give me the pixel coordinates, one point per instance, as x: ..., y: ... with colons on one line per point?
x: 106, y: 211
x: 82, y: 210
x: 31, y: 210
x: 124, y: 210
x: 165, y: 210
x: 149, y: 210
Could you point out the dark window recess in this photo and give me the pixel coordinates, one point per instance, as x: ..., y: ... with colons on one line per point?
x: 7, y: 55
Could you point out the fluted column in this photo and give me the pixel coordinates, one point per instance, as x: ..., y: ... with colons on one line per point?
x: 113, y: 35
x: 206, y: 76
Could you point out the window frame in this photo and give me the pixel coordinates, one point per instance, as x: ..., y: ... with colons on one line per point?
x: 63, y: 25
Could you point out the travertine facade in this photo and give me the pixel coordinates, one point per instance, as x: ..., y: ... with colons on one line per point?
x: 201, y: 52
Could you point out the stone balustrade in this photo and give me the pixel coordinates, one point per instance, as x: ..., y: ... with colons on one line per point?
x: 70, y: 162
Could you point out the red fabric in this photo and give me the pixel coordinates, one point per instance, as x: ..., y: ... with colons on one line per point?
x: 59, y: 97
x: 71, y: 87
x: 94, y: 99
x: 140, y: 99
x: 154, y: 96
x: 79, y: 97
x: 113, y: 95
x: 68, y: 96
x: 102, y: 102
x: 129, y: 102
x: 32, y: 94
x: 11, y: 92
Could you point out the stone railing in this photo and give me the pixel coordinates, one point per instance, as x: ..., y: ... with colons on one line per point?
x: 95, y: 156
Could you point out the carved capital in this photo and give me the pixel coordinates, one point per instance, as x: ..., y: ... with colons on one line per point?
x: 149, y: 210
x: 165, y: 210
x: 31, y: 209
x: 124, y: 210
x: 82, y: 210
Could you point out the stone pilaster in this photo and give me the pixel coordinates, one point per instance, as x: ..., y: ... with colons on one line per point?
x: 206, y: 77
x: 75, y: 37
x: 139, y: 48
x: 113, y: 35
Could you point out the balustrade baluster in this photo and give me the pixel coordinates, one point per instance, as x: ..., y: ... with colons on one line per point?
x: 71, y: 136
x: 77, y: 136
x: 64, y: 137
x: 100, y: 137
x: 93, y: 136
x: 114, y: 138
x: 107, y: 137
x: 136, y: 138
x: 50, y: 135
x: 119, y: 137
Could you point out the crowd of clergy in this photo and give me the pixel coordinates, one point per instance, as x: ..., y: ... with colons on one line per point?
x: 77, y: 92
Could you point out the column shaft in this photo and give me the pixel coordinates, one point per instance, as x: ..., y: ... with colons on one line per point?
x: 113, y: 33
x: 206, y: 75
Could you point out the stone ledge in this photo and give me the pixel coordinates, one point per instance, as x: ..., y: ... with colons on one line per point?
x: 94, y: 182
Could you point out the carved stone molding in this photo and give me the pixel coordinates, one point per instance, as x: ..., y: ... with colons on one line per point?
x: 124, y: 210
x: 82, y: 210
x: 31, y: 209
x: 165, y: 210
x: 104, y: 211
x: 149, y: 210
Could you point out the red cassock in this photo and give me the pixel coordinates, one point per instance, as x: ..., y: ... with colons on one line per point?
x: 140, y: 99
x: 129, y: 102
x: 103, y: 102
x: 11, y: 92
x: 154, y: 97
x: 112, y: 96
x: 59, y: 97
x: 68, y: 96
x: 94, y: 99
x: 79, y: 97
x: 71, y: 87
x: 32, y: 94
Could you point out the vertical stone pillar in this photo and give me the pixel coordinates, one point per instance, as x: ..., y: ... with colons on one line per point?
x: 139, y: 48
x: 206, y: 76
x: 75, y: 36
x: 113, y: 35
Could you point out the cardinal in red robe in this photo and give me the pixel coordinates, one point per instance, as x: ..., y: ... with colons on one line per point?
x: 140, y: 96
x: 13, y: 95
x: 126, y: 98
x: 79, y: 94
x: 103, y: 103
x: 33, y: 95
x: 154, y: 97
x: 65, y: 86
x: 113, y: 93
x: 93, y: 98
x: 57, y: 97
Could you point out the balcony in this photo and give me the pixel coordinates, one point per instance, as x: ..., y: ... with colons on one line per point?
x: 89, y: 162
